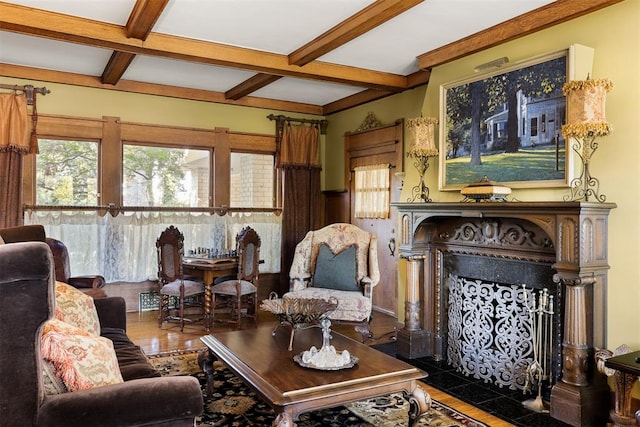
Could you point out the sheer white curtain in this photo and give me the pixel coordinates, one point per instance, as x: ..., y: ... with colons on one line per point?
x: 122, y: 248
x: 372, y: 191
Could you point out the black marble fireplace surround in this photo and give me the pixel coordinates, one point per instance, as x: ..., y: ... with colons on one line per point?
x: 569, y: 242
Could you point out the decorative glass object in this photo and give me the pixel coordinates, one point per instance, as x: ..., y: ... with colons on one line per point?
x: 327, y: 358
x: 298, y: 313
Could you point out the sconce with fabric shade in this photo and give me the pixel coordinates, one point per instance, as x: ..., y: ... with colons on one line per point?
x: 422, y: 146
x: 586, y: 120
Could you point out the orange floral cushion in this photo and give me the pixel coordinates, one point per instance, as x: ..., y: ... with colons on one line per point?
x: 81, y: 360
x: 76, y: 308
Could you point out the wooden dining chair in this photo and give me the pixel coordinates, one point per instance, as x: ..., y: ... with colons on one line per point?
x: 239, y: 295
x: 172, y: 284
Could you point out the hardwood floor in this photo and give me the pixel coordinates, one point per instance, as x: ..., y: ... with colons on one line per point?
x: 142, y: 328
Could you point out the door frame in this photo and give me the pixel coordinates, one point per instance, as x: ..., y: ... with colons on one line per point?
x: 383, y: 144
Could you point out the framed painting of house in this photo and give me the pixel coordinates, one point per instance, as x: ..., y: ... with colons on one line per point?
x: 505, y: 124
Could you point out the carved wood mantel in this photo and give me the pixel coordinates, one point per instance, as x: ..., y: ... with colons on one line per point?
x: 576, y: 232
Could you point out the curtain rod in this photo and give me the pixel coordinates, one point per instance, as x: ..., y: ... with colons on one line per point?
x: 115, y: 210
x: 29, y: 91
x: 281, y: 119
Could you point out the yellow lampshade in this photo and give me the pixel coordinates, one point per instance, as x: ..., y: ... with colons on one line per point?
x: 586, y: 101
x: 422, y: 137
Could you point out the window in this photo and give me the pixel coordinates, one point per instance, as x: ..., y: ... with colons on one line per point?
x: 159, y: 176
x: 67, y: 173
x: 534, y: 126
x: 372, y: 191
x: 252, y: 180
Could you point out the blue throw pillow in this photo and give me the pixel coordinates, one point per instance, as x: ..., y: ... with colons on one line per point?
x: 336, y: 271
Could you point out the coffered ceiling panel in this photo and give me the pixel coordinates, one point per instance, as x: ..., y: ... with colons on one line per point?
x: 307, y: 56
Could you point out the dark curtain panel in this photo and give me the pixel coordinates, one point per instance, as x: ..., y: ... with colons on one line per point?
x: 10, y: 189
x: 302, y: 210
x: 302, y: 196
x: 15, y: 142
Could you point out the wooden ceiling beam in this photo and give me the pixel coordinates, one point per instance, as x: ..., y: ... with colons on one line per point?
x: 83, y: 80
x: 365, y: 20
x: 250, y: 85
x: 117, y: 65
x: 414, y: 80
x: 354, y: 100
x: 143, y: 17
x: 546, y: 16
x: 56, y: 26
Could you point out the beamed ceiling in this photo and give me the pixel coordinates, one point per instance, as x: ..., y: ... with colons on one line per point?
x: 305, y: 56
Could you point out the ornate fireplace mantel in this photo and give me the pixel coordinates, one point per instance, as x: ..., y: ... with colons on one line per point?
x: 577, y: 249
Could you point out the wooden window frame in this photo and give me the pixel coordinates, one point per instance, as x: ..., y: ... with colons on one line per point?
x: 111, y: 134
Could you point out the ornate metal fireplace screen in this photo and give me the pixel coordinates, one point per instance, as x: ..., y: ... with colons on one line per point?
x: 501, y: 333
x: 491, y: 333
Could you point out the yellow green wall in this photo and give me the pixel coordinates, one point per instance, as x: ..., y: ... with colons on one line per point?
x: 614, y: 34
x: 86, y: 102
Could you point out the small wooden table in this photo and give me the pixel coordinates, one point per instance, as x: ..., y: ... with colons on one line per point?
x: 628, y: 367
x: 264, y: 363
x: 209, y: 270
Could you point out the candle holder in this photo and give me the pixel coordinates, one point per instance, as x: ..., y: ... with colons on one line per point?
x: 585, y: 185
x: 420, y: 191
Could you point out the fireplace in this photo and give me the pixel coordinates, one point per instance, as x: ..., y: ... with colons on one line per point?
x: 557, y: 245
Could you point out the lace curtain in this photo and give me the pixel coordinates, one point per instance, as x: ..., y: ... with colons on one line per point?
x: 372, y: 191
x: 122, y: 248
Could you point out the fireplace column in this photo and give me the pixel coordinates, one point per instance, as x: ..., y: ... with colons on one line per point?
x: 582, y: 395
x: 411, y: 339
x: 576, y: 349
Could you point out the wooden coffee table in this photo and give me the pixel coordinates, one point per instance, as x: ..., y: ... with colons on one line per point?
x: 265, y: 364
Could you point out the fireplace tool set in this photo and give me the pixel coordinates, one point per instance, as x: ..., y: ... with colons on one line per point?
x: 541, y: 319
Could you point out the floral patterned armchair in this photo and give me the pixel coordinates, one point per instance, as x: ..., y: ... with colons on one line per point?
x: 338, y: 261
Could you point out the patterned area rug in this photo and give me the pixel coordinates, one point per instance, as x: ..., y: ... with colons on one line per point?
x: 234, y: 404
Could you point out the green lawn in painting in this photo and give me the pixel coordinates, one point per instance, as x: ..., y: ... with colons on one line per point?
x: 531, y: 164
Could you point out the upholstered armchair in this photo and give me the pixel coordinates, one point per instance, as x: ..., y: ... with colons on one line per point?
x: 92, y: 285
x: 338, y: 261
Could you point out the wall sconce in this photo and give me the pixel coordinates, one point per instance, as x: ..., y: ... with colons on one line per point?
x: 400, y: 176
x: 423, y: 145
x: 585, y: 121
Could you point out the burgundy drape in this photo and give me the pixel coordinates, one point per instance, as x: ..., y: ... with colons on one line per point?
x: 302, y: 209
x: 15, y: 142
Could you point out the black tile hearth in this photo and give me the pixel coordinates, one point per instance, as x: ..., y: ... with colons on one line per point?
x: 500, y: 402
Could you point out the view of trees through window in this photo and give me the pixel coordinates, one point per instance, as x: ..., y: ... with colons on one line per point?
x: 158, y: 176
x: 67, y: 173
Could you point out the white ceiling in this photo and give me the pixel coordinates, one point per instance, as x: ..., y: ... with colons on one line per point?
x: 277, y: 26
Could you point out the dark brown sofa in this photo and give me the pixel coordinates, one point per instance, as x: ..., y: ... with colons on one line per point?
x: 144, y: 399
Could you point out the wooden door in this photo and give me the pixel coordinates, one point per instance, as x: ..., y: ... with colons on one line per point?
x: 378, y: 146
